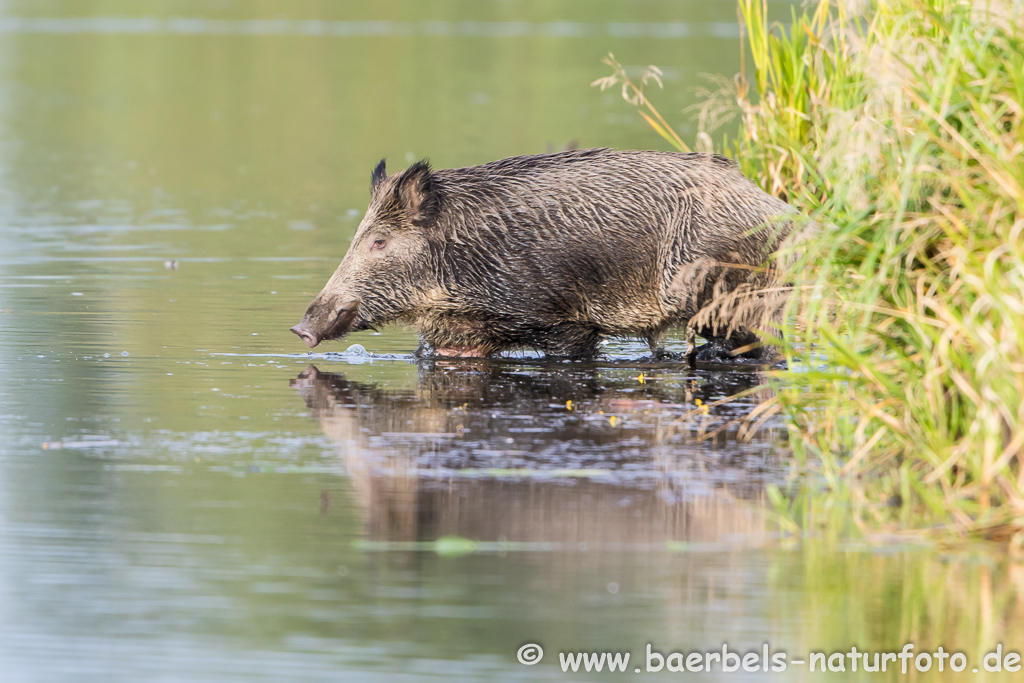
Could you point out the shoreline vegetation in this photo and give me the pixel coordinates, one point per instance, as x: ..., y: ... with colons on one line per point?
x: 896, y: 125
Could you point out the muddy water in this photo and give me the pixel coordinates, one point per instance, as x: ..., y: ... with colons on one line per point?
x: 186, y: 495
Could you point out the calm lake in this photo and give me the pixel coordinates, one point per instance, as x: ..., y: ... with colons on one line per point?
x: 187, y: 495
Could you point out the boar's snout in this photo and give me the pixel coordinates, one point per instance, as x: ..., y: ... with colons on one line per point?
x: 322, y: 324
x: 307, y: 335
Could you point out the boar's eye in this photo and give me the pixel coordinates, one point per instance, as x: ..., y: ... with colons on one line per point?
x: 378, y: 244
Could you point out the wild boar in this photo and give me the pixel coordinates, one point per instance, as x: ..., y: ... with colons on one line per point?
x: 555, y: 252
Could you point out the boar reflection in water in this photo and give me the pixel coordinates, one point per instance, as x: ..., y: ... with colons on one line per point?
x: 398, y: 445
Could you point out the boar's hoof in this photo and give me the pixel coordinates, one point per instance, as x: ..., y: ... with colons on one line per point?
x: 728, y: 350
x: 461, y: 353
x: 661, y: 355
x: 425, y: 350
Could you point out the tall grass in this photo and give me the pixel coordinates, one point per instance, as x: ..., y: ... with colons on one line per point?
x: 898, y: 128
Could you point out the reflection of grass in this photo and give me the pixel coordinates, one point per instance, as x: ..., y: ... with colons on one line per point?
x: 900, y: 132
x: 881, y: 600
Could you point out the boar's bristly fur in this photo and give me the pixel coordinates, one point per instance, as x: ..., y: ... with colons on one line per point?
x: 553, y: 252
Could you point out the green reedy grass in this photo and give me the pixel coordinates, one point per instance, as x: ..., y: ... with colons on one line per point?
x: 899, y: 130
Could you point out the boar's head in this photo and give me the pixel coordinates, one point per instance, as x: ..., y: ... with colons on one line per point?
x: 391, y: 265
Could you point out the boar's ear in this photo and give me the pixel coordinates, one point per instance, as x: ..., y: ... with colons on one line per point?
x: 378, y: 177
x: 416, y: 193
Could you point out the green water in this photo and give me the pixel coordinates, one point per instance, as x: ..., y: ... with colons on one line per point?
x: 183, y: 498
